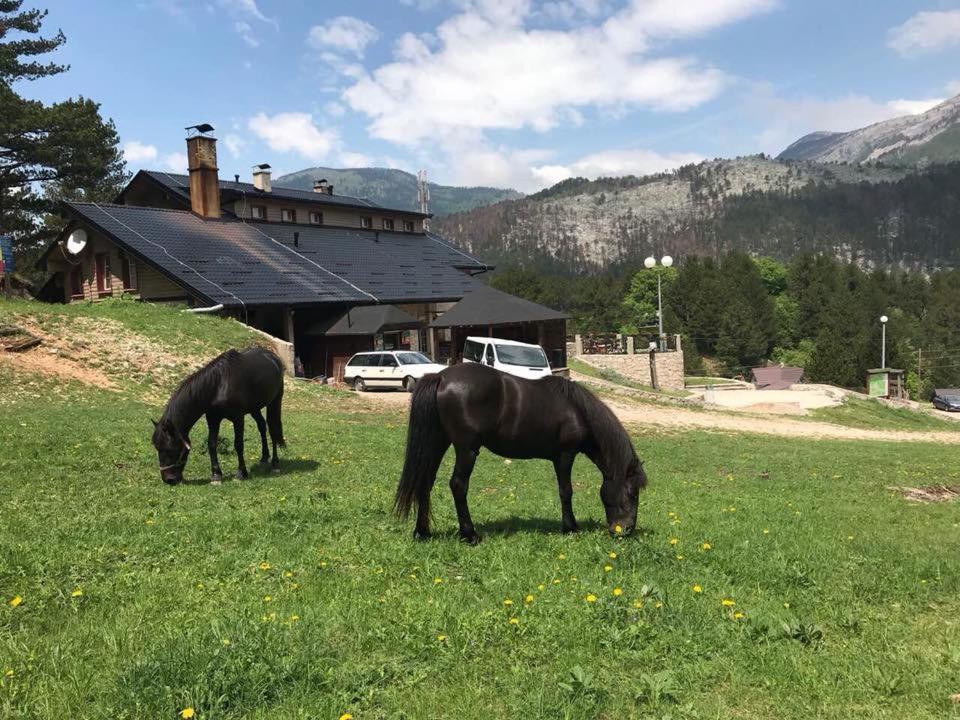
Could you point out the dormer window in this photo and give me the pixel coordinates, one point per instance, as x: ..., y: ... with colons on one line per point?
x: 288, y: 215
x: 366, y: 222
x: 316, y: 218
x: 408, y: 225
x: 258, y: 212
x: 387, y: 224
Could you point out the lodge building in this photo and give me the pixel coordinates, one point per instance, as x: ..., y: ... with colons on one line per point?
x: 331, y: 274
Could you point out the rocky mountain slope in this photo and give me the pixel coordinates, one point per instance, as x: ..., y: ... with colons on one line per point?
x: 580, y: 225
x: 396, y: 188
x: 933, y: 136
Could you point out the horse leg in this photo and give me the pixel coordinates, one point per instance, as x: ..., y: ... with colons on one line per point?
x: 213, y: 434
x: 276, y: 428
x: 563, y: 464
x: 459, y: 484
x: 262, y: 428
x: 242, y: 473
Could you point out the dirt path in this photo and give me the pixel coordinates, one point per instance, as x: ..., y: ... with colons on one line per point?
x: 636, y: 413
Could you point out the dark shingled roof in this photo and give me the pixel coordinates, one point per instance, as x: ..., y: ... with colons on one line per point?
x: 232, y: 262
x: 366, y: 320
x: 488, y: 306
x: 230, y: 190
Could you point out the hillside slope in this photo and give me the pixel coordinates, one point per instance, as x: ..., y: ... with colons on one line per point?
x: 580, y: 225
x: 930, y: 137
x: 396, y: 189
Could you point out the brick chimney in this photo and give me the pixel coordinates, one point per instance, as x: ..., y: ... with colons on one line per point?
x: 322, y: 186
x: 202, y: 164
x: 261, y: 177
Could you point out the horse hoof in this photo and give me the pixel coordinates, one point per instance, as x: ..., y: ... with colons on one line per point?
x: 216, y: 481
x: 421, y: 536
x: 470, y: 539
x: 570, y: 529
x: 241, y: 475
x: 275, y: 470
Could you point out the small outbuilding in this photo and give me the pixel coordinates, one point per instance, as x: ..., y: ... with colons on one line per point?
x: 489, y: 312
x: 776, y: 377
x: 886, y: 383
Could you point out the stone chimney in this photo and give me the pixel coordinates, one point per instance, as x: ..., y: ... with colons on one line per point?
x: 261, y: 177
x: 322, y: 186
x: 202, y: 165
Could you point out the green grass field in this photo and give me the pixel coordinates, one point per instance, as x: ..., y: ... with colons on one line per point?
x: 771, y: 579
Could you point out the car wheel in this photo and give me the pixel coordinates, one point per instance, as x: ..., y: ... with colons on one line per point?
x: 409, y: 383
x: 359, y: 385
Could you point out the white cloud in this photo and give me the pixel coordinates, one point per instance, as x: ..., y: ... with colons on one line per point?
x: 175, y: 162
x: 334, y: 109
x: 926, y: 32
x: 343, y: 34
x: 615, y: 163
x: 246, y: 8
x: 135, y: 152
x: 234, y: 143
x: 355, y: 160
x: 246, y: 33
x: 792, y: 119
x: 294, y: 132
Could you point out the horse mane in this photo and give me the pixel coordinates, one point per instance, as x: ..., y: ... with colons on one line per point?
x: 613, y: 442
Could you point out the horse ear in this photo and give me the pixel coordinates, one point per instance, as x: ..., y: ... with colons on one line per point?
x: 155, y: 423
x: 186, y: 444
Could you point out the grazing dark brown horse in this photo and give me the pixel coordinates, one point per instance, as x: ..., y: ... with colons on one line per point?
x: 471, y: 406
x: 229, y: 387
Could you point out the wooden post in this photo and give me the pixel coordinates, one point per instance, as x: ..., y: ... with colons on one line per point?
x: 577, y: 345
x: 653, y: 369
x: 432, y: 343
x: 630, y: 346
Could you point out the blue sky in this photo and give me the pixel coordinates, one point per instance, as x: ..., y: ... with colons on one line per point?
x: 518, y: 93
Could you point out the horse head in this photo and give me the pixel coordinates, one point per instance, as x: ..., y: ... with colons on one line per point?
x: 620, y: 494
x: 173, y: 449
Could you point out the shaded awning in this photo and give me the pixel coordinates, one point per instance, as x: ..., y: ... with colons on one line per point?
x: 366, y: 320
x: 488, y: 306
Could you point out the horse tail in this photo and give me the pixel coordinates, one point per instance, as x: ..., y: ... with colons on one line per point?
x: 426, y: 444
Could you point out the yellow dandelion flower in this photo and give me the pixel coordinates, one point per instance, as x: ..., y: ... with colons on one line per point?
x: 561, y: 556
x: 437, y: 581
x: 637, y: 604
x: 617, y: 592
x: 514, y: 621
x: 658, y: 605
x: 187, y: 713
x: 267, y: 598
x: 346, y: 716
x: 787, y: 605
x: 76, y: 593
x: 706, y: 546
x: 591, y: 598
x: 15, y: 601
x: 556, y: 581
x: 264, y: 566
x: 323, y: 563
x: 508, y: 602
x: 697, y: 589
x: 151, y: 521
x: 766, y: 531
x: 226, y: 642
x: 441, y: 638
x: 607, y: 568
x: 541, y: 587
x: 293, y: 618
x: 674, y: 541
x: 618, y: 529
x: 737, y: 615
x: 679, y: 557
x: 528, y: 599
x: 287, y: 574
x: 849, y: 537
x: 612, y: 555
x: 727, y: 602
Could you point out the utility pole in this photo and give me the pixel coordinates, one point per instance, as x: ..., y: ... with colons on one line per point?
x: 423, y: 196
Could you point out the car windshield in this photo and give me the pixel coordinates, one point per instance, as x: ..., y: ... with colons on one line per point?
x: 520, y: 355
x: 413, y: 358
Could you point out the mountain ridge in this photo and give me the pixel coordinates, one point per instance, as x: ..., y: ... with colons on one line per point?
x: 395, y: 188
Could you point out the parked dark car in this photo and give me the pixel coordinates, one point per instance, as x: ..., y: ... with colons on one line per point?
x: 947, y: 399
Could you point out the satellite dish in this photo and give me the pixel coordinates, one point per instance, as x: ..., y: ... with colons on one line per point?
x: 77, y: 241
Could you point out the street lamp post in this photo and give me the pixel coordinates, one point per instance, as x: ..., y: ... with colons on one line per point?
x: 651, y: 262
x: 883, y: 342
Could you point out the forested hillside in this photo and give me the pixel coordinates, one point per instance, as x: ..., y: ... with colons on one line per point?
x: 869, y: 214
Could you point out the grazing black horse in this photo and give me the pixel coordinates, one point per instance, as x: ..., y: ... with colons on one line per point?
x: 471, y: 406
x: 229, y: 387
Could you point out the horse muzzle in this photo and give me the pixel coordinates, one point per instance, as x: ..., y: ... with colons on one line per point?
x: 173, y: 477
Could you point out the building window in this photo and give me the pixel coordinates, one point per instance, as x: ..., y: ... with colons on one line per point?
x: 316, y: 218
x: 125, y: 275
x: 103, y: 273
x: 258, y: 212
x: 76, y: 282
x: 288, y: 215
x: 366, y: 222
x: 408, y: 225
x: 387, y: 224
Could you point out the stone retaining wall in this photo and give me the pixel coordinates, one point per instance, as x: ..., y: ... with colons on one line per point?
x: 636, y: 367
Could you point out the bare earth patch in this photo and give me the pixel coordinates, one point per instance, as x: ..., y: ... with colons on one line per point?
x: 930, y: 493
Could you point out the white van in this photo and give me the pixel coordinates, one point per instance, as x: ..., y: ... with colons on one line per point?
x: 509, y: 356
x: 399, y: 369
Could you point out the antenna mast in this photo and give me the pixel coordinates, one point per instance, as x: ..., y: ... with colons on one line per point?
x: 423, y: 196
